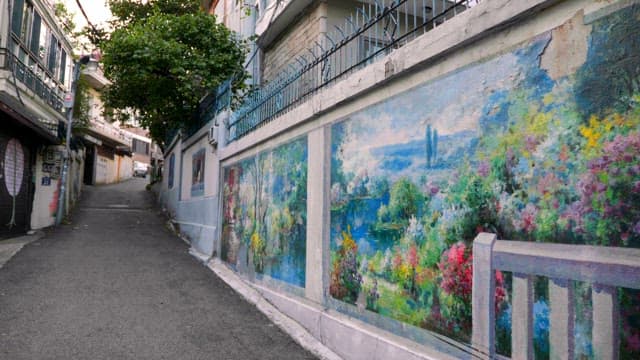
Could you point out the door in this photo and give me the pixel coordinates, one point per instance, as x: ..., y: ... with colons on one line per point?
x: 16, y: 193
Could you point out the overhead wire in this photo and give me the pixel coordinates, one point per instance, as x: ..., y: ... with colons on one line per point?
x: 85, y: 16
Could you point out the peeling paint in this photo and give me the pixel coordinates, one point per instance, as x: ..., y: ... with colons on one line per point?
x: 567, y: 50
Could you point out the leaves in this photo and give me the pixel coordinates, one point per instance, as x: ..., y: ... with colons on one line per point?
x: 162, y: 58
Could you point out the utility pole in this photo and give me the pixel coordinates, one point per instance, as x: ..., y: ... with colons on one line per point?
x: 70, y: 100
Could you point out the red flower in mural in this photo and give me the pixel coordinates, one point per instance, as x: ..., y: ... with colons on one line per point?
x: 412, y: 257
x: 457, y: 272
x: 456, y: 266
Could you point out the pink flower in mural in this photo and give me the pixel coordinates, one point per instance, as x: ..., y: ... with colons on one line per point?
x: 456, y: 266
x: 483, y: 168
x: 456, y: 272
x: 531, y: 143
x: 548, y: 184
x: 574, y: 216
x: 527, y: 220
x: 412, y: 257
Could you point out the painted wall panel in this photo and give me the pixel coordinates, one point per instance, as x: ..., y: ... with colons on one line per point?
x: 264, y: 214
x: 188, y: 171
x: 540, y: 143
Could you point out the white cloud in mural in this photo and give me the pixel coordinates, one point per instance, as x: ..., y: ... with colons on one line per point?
x: 451, y: 105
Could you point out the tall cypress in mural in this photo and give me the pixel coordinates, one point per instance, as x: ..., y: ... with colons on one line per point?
x: 429, y: 147
x: 435, y: 146
x: 431, y: 141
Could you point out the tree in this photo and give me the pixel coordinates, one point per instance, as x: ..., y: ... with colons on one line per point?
x: 611, y: 74
x: 162, y: 58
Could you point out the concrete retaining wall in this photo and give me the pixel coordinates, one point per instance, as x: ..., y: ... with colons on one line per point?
x: 489, y: 31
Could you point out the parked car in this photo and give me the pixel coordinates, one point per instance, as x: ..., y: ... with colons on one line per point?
x: 140, y: 169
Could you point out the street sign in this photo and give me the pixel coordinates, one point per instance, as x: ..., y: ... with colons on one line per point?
x: 68, y: 100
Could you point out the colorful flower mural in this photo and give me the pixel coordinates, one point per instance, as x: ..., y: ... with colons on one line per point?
x: 197, y: 173
x: 498, y: 146
x: 265, y: 213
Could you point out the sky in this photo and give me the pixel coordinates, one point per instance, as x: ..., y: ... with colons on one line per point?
x: 96, y: 10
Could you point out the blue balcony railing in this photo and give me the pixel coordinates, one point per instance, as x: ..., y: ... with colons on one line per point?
x: 25, y: 74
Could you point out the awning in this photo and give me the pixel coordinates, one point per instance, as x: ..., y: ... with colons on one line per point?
x: 25, y: 118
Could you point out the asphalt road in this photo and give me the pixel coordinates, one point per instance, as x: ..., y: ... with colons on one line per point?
x: 116, y: 284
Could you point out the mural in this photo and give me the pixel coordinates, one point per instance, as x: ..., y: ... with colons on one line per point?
x: 197, y: 177
x: 499, y: 146
x: 265, y: 213
x: 13, y: 174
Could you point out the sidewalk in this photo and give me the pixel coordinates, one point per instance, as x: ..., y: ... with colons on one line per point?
x: 10, y: 247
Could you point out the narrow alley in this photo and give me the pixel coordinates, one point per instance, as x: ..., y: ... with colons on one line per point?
x: 114, y: 283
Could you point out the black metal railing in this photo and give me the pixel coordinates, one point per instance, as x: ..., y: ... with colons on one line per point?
x: 215, y: 102
x: 50, y: 94
x: 375, y: 29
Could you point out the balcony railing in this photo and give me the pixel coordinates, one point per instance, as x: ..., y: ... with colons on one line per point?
x: 214, y: 103
x: 25, y: 74
x: 605, y: 268
x: 374, y: 30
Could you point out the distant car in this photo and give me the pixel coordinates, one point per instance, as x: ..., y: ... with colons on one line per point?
x: 140, y: 169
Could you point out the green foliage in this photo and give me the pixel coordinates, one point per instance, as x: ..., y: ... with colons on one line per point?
x: 346, y: 281
x: 162, y: 58
x: 81, y: 105
x: 406, y: 199
x: 127, y: 11
x: 64, y: 17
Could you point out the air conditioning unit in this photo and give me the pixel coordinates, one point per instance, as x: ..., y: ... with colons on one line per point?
x: 213, y: 135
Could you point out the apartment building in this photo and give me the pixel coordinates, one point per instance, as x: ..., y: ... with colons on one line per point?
x: 35, y: 73
x: 426, y: 179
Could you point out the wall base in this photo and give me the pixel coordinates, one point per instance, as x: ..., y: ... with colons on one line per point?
x: 327, y: 333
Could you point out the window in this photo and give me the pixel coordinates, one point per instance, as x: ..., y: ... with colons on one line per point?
x: 27, y: 23
x: 44, y: 36
x: 140, y: 147
x: 44, y: 61
x: 34, y: 45
x: 53, y: 54
x: 16, y: 18
x: 63, y: 66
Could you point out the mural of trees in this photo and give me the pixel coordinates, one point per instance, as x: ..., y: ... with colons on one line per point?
x: 264, y: 227
x: 545, y: 160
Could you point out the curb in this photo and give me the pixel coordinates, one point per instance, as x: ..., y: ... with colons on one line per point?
x: 297, y: 332
x: 10, y: 247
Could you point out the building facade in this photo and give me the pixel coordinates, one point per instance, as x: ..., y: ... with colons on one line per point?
x: 357, y: 188
x: 35, y: 73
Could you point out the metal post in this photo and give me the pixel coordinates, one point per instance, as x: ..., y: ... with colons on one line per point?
x: 67, y: 154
